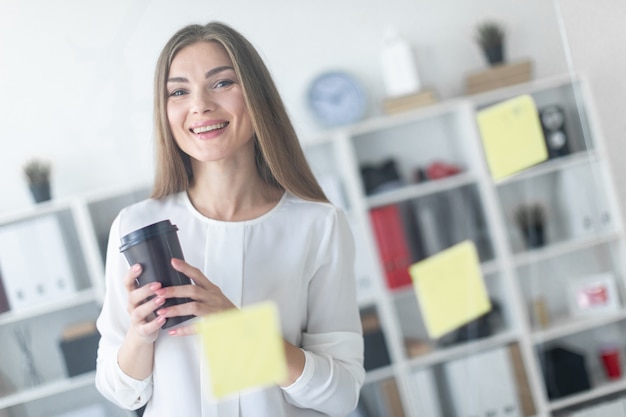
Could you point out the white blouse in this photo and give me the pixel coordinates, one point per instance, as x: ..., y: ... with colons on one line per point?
x: 300, y: 255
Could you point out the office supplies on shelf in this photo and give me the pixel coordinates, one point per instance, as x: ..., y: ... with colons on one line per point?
x: 392, y: 244
x: 34, y: 262
x: 491, y: 394
x: 424, y: 396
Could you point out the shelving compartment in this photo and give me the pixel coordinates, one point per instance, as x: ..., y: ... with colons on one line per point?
x: 483, y: 331
x: 568, y: 96
x: 578, y: 288
x: 425, y: 147
x: 489, y: 382
x: 42, y: 261
x: 33, y: 365
x: 566, y: 202
x: 573, y: 368
x: 408, y: 231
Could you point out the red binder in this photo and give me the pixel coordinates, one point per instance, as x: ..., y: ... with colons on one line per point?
x: 392, y: 245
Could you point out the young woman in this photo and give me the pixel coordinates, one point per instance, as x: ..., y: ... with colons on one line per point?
x: 254, y: 226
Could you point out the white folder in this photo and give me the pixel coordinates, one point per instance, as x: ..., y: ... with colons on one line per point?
x: 34, y: 262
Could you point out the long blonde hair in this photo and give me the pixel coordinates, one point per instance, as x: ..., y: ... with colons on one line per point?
x: 279, y: 157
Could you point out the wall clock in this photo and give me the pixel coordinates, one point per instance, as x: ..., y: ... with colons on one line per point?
x: 336, y: 98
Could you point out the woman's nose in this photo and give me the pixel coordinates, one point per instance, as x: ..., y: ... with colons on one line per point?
x: 202, y: 102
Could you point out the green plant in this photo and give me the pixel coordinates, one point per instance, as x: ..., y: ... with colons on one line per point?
x: 530, y: 215
x: 37, y: 170
x: 489, y: 34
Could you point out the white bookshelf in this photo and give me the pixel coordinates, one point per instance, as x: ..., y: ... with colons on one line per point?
x: 513, y: 274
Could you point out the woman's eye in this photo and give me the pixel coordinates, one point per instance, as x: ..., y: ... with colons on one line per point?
x: 177, y: 93
x: 223, y: 83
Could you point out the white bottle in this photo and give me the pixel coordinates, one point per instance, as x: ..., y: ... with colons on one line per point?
x: 399, y: 68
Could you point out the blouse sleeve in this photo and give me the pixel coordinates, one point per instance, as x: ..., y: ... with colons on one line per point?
x: 333, y: 341
x: 112, y: 324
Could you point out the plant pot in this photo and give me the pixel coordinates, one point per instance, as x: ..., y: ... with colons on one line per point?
x: 40, y: 192
x: 494, y: 54
x: 534, y: 236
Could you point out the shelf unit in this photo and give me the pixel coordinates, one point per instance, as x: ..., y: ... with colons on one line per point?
x: 583, y: 237
x: 34, y: 380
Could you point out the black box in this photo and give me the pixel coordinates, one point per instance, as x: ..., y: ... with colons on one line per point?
x: 80, y: 347
x: 375, y: 352
x: 564, y: 371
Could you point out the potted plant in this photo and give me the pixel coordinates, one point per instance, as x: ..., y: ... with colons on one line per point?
x: 531, y: 218
x: 490, y: 36
x: 37, y: 171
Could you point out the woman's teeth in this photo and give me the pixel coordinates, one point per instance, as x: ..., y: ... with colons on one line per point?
x: 204, y: 129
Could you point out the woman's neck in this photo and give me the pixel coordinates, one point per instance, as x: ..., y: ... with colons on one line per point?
x: 232, y: 198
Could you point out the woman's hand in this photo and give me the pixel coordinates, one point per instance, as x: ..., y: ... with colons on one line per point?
x: 136, y: 354
x: 142, y: 302
x: 207, y: 298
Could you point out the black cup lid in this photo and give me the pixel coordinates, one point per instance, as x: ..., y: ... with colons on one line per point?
x: 147, y: 232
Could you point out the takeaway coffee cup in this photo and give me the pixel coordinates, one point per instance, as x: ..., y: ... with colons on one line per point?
x: 153, y: 247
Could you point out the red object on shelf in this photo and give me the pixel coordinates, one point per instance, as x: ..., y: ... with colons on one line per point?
x: 392, y: 245
x: 611, y: 362
x: 440, y: 169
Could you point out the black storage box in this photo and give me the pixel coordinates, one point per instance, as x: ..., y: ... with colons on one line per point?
x: 80, y: 347
x: 564, y: 371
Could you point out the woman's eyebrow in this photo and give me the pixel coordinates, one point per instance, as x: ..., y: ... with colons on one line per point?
x: 209, y: 73
x: 216, y: 70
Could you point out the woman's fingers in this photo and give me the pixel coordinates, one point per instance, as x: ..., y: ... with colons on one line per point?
x: 130, y: 279
x: 184, y: 330
x: 143, y: 301
x: 205, y: 296
x: 194, y: 273
x: 146, y: 300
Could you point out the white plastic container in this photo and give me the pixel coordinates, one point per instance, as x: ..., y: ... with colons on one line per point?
x: 399, y: 67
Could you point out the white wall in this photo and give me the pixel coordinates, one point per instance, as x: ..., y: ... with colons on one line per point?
x: 76, y: 76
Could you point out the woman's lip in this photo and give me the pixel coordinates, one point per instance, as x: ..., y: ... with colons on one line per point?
x: 205, y: 123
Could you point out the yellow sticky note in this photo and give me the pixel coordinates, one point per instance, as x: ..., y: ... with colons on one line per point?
x: 512, y: 136
x: 450, y: 288
x: 243, y: 349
